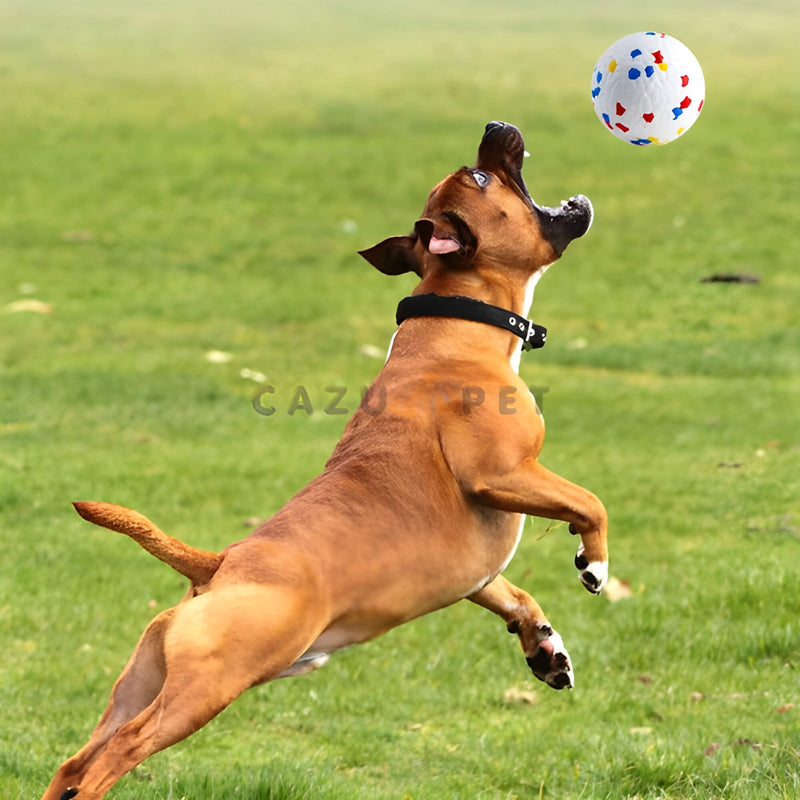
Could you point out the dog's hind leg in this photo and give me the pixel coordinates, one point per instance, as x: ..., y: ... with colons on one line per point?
x: 137, y: 686
x: 543, y: 648
x: 191, y: 663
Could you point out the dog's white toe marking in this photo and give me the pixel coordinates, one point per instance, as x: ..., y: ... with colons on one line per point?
x: 595, y: 576
x: 562, y: 662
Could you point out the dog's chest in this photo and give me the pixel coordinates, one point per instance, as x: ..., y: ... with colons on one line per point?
x: 527, y: 302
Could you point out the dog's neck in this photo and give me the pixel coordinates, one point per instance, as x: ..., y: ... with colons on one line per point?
x: 499, y: 296
x: 498, y: 287
x: 527, y: 302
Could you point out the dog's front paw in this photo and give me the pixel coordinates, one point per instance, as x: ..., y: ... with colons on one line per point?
x: 550, y: 662
x: 593, y: 574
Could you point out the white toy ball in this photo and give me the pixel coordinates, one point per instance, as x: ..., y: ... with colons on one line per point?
x: 648, y: 88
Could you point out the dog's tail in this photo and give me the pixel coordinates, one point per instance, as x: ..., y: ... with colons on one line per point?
x: 198, y: 566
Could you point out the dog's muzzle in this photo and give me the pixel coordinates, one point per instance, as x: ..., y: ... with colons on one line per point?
x: 567, y: 222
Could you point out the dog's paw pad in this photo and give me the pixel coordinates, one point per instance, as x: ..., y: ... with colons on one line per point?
x: 561, y: 680
x: 550, y: 663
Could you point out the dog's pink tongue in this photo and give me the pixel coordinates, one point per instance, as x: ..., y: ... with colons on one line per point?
x: 439, y: 246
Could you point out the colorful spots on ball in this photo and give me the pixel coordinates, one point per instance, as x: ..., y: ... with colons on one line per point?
x: 598, y: 78
x: 646, y: 87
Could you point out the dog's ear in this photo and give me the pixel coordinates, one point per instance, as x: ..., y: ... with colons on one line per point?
x: 394, y: 256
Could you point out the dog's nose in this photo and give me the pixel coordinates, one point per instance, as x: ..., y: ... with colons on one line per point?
x: 491, y: 127
x: 502, y: 150
x: 500, y: 135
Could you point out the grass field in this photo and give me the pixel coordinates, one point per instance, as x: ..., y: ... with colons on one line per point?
x: 180, y: 178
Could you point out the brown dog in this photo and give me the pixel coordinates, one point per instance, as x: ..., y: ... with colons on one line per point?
x: 420, y: 505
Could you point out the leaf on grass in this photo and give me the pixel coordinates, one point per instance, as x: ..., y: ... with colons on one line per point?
x: 731, y: 277
x: 712, y: 748
x: 577, y: 344
x: 34, y: 306
x: 370, y: 351
x: 218, y: 357
x: 521, y: 697
x: 617, y: 589
x: 253, y: 375
x: 784, y: 708
x: 697, y: 697
x: 78, y: 236
x: 747, y: 743
x: 641, y: 731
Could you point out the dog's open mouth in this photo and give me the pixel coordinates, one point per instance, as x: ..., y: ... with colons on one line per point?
x: 567, y: 222
x: 502, y: 149
x: 448, y: 235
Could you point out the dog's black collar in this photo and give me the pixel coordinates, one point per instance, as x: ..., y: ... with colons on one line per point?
x: 434, y: 305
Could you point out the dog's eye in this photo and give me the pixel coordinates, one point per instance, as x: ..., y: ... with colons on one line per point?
x: 481, y: 178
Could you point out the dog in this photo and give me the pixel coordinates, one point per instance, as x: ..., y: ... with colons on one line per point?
x: 420, y: 505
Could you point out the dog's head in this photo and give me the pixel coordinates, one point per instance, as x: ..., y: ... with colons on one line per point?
x: 484, y: 216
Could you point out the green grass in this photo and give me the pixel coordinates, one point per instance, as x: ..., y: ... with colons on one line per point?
x: 178, y: 178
